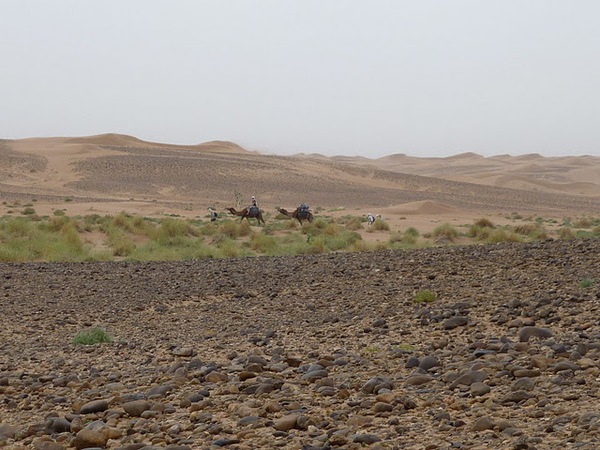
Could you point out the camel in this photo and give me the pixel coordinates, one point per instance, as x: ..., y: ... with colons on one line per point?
x: 247, y: 213
x: 299, y: 214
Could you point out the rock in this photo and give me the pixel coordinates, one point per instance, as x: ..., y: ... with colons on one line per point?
x: 136, y: 407
x: 159, y: 391
x: 86, y: 438
x: 382, y: 407
x: 417, y: 380
x: 7, y: 431
x: 374, y: 385
x: 484, y: 423
x: 94, y: 407
x: 468, y: 378
x: 367, y: 439
x: 285, y: 423
x: 478, y: 389
x: 57, y: 425
x: 429, y: 362
x: 527, y: 333
x: 455, y: 322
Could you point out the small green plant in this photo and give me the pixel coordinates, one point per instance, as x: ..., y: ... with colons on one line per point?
x: 586, y: 283
x: 92, y: 337
x: 371, y: 349
x: 28, y: 211
x: 404, y: 348
x: 425, y: 296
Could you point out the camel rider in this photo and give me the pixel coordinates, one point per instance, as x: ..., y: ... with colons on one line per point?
x: 254, y: 201
x: 303, y: 207
x: 213, y: 214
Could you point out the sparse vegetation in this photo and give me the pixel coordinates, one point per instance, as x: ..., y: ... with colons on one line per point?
x: 425, y: 296
x: 445, y: 232
x: 59, y: 237
x: 586, y: 283
x: 92, y: 337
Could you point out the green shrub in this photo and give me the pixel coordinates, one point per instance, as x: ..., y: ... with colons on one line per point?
x: 445, y: 231
x: 28, y: 211
x: 498, y: 235
x: 265, y: 244
x: 380, y: 225
x: 586, y: 283
x: 484, y: 223
x: 92, y: 337
x: 411, y: 231
x: 425, y: 296
x: 566, y: 233
x: 354, y: 224
x: 583, y: 222
x: 534, y: 231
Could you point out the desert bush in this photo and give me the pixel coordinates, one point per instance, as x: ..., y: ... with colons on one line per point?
x: 583, y: 222
x: 28, y: 211
x: 354, y: 224
x: 265, y: 244
x: 425, y: 296
x: 235, y: 230
x: 379, y: 225
x: 291, y: 225
x: 481, y: 229
x: 411, y: 231
x: 586, y: 283
x: 408, y: 239
x: 315, y: 228
x: 92, y: 337
x: 534, y: 231
x: 445, y: 231
x: 172, y: 228
x: 498, y: 235
x: 121, y: 246
x: 566, y: 233
x: 362, y: 246
x: 16, y: 227
x: 55, y: 223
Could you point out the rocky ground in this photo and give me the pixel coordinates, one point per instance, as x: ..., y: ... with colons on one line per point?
x: 311, y: 352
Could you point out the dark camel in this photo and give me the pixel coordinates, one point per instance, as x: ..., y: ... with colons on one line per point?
x: 298, y: 214
x: 247, y: 213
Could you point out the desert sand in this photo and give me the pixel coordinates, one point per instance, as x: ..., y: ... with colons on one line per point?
x: 110, y: 173
x: 311, y: 352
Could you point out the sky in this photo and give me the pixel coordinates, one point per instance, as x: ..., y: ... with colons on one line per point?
x: 336, y: 77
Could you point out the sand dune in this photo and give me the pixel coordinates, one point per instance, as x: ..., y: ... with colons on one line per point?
x: 105, y: 172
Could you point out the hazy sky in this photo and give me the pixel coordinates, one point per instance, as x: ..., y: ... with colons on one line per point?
x: 351, y: 77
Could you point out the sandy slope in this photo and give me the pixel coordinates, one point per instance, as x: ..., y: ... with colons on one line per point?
x: 111, y: 173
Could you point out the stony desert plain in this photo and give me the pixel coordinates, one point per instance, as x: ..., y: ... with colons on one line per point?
x: 331, y: 351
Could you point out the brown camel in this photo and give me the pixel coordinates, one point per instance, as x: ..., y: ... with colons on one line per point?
x: 247, y: 213
x: 298, y: 214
